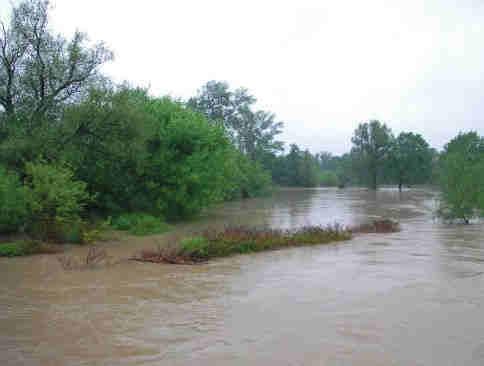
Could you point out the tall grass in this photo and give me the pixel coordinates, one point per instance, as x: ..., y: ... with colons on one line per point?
x: 139, y: 224
x: 213, y: 243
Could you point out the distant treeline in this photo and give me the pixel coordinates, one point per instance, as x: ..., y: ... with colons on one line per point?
x: 377, y: 157
x: 74, y: 146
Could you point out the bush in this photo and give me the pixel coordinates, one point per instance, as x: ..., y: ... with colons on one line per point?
x: 246, y: 178
x: 139, y: 224
x: 25, y: 247
x: 55, y: 201
x: 195, y: 247
x: 14, y: 249
x: 13, y: 204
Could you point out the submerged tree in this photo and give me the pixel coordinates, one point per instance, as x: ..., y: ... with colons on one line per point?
x: 371, y: 143
x: 39, y: 70
x: 462, y: 177
x: 410, y: 159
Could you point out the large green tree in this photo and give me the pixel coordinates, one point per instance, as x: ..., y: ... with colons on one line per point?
x: 410, y: 159
x: 371, y: 144
x: 462, y: 177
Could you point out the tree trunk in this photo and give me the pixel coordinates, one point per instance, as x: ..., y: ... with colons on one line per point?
x: 374, y: 174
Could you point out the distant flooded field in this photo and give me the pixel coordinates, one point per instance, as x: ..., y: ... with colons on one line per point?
x: 410, y: 298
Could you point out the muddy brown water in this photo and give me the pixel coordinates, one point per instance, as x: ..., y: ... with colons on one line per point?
x: 409, y: 298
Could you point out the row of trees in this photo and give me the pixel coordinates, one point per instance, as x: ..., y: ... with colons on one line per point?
x: 379, y: 156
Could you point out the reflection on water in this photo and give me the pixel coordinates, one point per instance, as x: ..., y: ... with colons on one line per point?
x: 409, y: 298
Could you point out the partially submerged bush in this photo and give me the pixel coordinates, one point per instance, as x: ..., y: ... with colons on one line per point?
x: 13, y: 203
x: 26, y: 247
x: 139, y: 224
x: 195, y: 247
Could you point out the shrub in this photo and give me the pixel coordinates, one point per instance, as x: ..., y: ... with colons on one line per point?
x: 246, y: 178
x: 26, y: 247
x: 56, y: 201
x: 139, y: 224
x: 14, y: 249
x: 13, y: 204
x: 195, y: 247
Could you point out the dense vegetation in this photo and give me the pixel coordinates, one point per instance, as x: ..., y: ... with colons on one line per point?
x: 242, y: 240
x: 75, y: 148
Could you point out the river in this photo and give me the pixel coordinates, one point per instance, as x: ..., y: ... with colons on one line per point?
x: 411, y: 298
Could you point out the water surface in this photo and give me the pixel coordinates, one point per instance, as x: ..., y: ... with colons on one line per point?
x: 410, y: 298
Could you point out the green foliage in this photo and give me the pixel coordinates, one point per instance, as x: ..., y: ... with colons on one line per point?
x: 13, y: 202
x: 22, y: 248
x: 40, y: 72
x: 371, y: 144
x: 105, y: 139
x: 410, y: 159
x: 55, y: 201
x: 462, y: 177
x: 252, y: 132
x: 247, y: 179
x: 195, y: 247
x: 240, y: 240
x: 139, y: 224
x: 14, y: 249
x: 186, y: 167
x: 328, y: 179
x: 296, y: 169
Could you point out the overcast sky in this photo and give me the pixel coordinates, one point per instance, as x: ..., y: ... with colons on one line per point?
x: 321, y: 66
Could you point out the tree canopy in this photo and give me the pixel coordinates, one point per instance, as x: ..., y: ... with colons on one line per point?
x: 40, y: 70
x: 462, y: 177
x: 410, y: 159
x: 371, y: 145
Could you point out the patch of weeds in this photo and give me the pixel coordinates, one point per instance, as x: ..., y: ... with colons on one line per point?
x: 195, y: 247
x: 139, y: 224
x: 27, y: 247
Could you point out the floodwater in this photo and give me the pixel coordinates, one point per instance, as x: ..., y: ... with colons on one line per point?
x: 409, y: 298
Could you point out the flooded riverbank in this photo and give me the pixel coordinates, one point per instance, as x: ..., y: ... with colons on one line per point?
x: 410, y: 298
